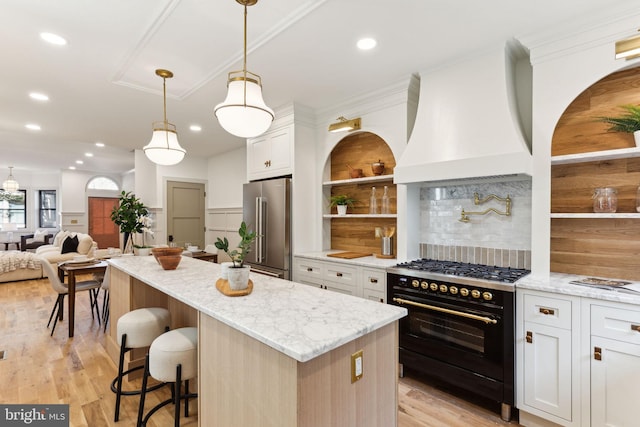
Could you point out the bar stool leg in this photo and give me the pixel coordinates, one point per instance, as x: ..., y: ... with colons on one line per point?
x: 123, y: 350
x: 143, y: 393
x: 178, y: 384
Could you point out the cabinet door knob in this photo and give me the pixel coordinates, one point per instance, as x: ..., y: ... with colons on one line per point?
x: 309, y: 269
x: 547, y: 311
x: 597, y: 353
x: 339, y: 274
x: 635, y: 328
x: 529, y: 337
x: 372, y: 280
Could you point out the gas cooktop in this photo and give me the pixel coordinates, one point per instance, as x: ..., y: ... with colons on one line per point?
x: 427, y: 268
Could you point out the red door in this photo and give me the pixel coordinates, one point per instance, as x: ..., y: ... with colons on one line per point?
x: 101, y: 228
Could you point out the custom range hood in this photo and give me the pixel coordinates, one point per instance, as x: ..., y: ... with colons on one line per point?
x: 467, y: 123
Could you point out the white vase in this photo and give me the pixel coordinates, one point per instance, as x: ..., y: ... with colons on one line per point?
x: 238, y: 277
x: 636, y: 136
x: 342, y: 209
x: 143, y: 251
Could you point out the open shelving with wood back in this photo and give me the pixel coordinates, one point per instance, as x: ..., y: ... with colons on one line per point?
x: 586, y: 156
x: 356, y: 230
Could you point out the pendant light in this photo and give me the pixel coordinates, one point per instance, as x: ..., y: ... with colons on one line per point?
x: 164, y: 148
x: 243, y: 113
x: 10, y: 185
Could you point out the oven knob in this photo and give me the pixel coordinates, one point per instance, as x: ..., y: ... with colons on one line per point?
x: 475, y: 293
x: 444, y: 288
x: 415, y: 283
x: 487, y: 296
x: 464, y: 292
x: 453, y: 290
x: 424, y: 285
x: 433, y: 287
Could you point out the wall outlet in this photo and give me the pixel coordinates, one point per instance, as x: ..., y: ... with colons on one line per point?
x: 356, y: 366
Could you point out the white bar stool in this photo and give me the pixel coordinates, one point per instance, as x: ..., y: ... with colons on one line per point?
x: 172, y: 358
x: 137, y: 329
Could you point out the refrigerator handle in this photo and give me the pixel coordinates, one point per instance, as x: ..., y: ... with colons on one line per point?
x: 259, y: 229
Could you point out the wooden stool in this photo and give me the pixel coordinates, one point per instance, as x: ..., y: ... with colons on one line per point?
x: 172, y: 358
x: 137, y: 329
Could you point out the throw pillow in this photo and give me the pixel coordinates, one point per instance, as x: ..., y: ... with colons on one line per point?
x: 70, y: 244
x: 39, y: 235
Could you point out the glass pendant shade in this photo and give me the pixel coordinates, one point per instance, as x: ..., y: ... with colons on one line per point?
x: 244, y: 117
x: 10, y: 185
x: 164, y: 148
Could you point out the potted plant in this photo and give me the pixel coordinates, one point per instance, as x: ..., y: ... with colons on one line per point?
x: 238, y: 273
x: 144, y: 249
x: 628, y: 122
x: 127, y: 216
x: 341, y: 201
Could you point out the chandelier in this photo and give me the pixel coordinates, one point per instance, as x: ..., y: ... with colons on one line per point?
x: 10, y: 185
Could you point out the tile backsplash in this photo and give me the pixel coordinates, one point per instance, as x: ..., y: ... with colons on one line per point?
x: 489, y: 239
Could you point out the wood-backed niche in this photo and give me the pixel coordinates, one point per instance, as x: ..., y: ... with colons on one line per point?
x: 605, y: 246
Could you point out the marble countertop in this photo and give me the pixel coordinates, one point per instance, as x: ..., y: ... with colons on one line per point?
x: 560, y: 283
x: 368, y: 261
x: 300, y: 321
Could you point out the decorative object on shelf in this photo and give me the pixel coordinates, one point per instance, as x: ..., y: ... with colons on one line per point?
x: 238, y: 273
x: 373, y: 202
x: 10, y: 185
x: 386, y: 235
x: 627, y: 123
x: 244, y: 113
x: 464, y: 216
x: 628, y: 48
x: 605, y: 200
x: 168, y: 258
x: 354, y: 173
x: 344, y: 124
x: 386, y: 202
x: 341, y: 201
x: 127, y: 216
x: 377, y: 168
x: 164, y: 148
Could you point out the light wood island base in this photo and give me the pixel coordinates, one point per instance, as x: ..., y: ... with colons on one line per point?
x: 248, y: 383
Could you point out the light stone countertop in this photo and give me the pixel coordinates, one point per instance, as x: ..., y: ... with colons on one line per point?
x: 369, y: 261
x: 298, y: 320
x: 560, y: 283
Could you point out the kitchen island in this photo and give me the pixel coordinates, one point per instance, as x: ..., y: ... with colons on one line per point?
x: 280, y: 356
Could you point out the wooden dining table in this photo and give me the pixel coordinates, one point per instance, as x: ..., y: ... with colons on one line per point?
x: 71, y: 270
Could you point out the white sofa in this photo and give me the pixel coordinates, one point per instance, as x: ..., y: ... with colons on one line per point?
x: 15, y: 266
x: 53, y: 252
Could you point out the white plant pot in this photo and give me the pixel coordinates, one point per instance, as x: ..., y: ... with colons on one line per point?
x: 238, y: 277
x: 143, y: 251
x: 342, y: 209
x: 636, y: 136
x: 224, y: 269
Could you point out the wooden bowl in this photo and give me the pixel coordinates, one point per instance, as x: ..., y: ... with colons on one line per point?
x: 355, y: 173
x: 157, y: 252
x: 169, y: 262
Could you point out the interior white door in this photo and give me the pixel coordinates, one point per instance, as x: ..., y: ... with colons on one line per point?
x: 185, y: 213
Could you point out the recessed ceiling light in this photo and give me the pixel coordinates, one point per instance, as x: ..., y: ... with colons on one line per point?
x: 88, y: 154
x: 72, y: 168
x: 53, y: 39
x: 32, y: 126
x: 79, y: 162
x: 195, y: 128
x: 366, y: 43
x: 38, y: 96
x: 100, y: 144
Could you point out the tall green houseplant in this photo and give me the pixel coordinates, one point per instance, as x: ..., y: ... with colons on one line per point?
x: 127, y: 215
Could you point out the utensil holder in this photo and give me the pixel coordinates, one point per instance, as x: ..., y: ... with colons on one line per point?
x: 387, y: 246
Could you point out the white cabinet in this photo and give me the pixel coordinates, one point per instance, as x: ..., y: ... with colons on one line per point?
x: 615, y: 365
x: 548, y: 374
x: 365, y: 282
x: 270, y: 155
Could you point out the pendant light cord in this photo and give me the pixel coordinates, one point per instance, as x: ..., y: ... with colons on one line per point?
x: 244, y: 63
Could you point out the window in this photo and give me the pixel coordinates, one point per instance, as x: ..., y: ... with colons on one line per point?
x: 13, y: 208
x: 47, y: 209
x: 102, y: 183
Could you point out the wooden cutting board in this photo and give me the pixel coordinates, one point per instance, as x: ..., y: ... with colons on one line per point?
x: 349, y: 255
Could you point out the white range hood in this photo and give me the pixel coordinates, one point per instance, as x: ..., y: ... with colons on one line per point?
x: 467, y: 124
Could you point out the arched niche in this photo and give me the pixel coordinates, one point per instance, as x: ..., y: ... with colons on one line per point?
x: 582, y: 242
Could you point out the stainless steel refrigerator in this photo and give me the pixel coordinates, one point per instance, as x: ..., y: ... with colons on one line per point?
x: 267, y: 210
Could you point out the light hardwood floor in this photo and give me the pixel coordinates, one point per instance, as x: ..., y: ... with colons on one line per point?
x: 41, y: 369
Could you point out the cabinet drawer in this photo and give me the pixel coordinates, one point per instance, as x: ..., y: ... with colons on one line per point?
x: 616, y: 323
x: 374, y: 279
x: 309, y: 271
x: 547, y: 311
x: 338, y: 273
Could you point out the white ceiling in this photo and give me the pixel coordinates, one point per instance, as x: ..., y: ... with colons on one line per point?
x: 102, y: 85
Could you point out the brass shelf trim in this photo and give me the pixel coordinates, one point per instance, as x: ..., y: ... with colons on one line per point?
x: 464, y: 216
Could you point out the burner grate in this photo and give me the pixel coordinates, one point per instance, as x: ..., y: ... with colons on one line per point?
x: 476, y: 271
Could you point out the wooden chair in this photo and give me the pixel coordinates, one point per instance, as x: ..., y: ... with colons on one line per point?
x: 25, y: 244
x: 93, y: 286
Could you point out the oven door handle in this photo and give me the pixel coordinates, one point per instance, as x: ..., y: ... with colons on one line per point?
x: 446, y: 310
